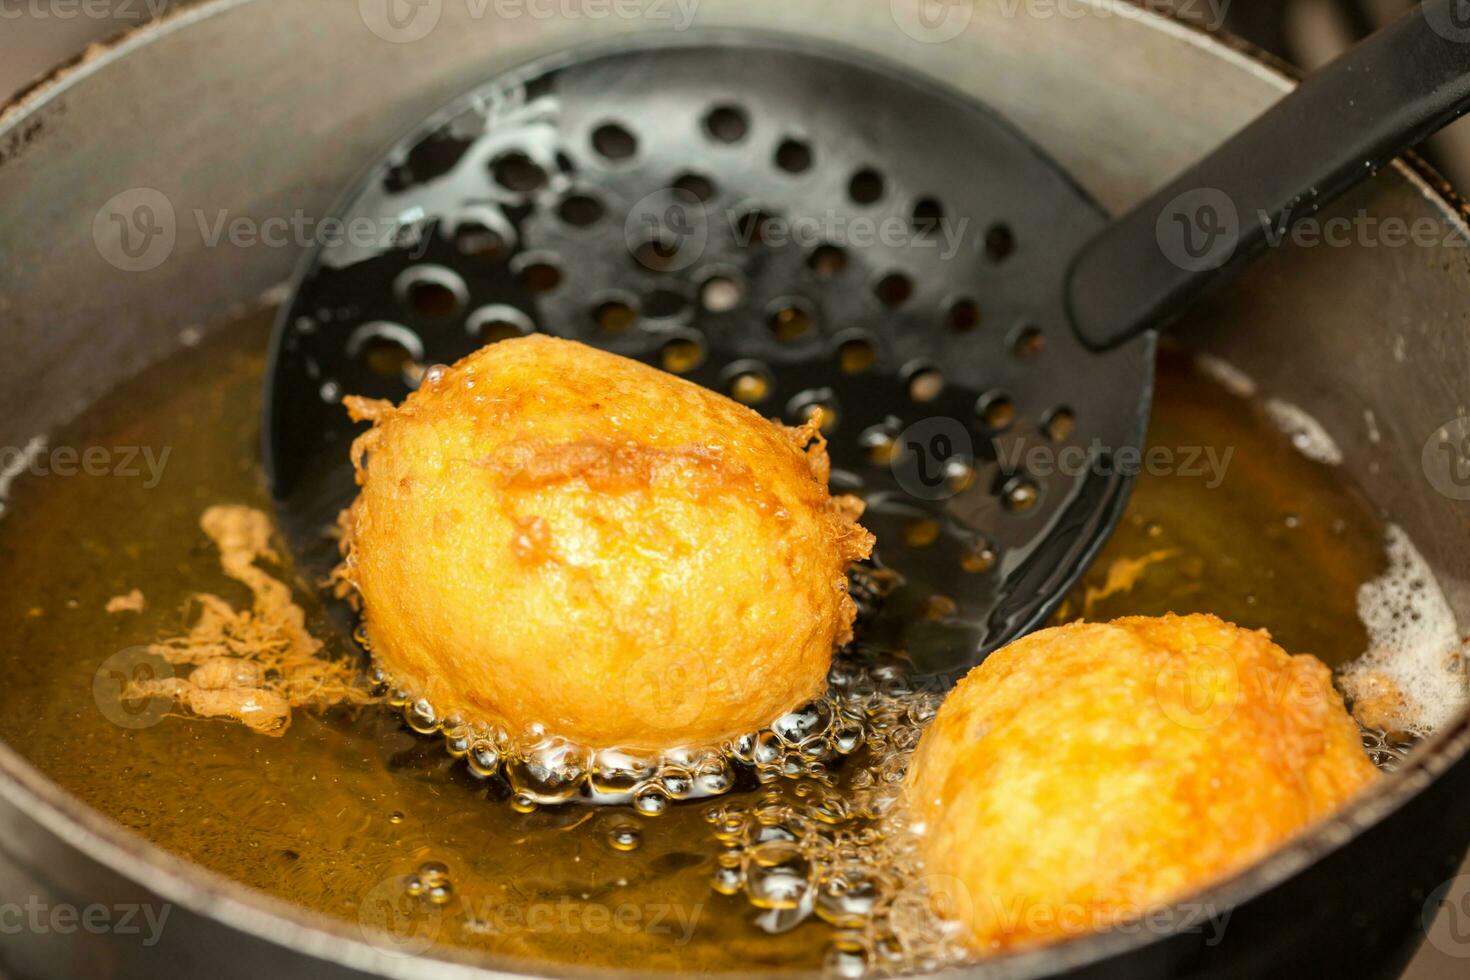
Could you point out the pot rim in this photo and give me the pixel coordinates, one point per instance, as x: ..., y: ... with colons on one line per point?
x: 236, y: 906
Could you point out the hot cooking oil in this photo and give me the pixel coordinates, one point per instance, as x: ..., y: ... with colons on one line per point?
x: 354, y: 816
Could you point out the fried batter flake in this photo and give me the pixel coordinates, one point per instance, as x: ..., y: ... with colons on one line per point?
x: 255, y: 665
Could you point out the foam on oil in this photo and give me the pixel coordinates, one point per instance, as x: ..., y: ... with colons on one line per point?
x: 1413, y: 640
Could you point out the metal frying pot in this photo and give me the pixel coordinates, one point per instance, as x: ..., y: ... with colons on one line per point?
x: 268, y: 107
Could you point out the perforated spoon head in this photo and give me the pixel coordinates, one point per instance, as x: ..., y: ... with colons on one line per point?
x: 798, y: 227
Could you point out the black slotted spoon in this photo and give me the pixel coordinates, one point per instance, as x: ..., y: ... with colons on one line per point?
x: 804, y: 228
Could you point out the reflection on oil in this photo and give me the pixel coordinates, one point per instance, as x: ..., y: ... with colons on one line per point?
x: 355, y: 816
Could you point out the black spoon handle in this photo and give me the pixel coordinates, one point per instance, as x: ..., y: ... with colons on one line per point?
x: 1341, y: 124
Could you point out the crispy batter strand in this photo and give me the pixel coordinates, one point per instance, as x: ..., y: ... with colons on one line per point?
x: 252, y: 666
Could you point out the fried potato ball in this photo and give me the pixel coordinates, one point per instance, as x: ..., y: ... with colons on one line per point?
x: 1089, y: 774
x: 551, y: 535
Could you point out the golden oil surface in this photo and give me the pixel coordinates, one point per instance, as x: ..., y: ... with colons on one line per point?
x: 347, y: 811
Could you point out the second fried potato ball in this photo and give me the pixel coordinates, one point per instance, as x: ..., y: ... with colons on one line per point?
x: 1087, y: 774
x: 552, y: 538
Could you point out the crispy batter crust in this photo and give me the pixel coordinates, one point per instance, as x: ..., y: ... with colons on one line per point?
x: 1089, y: 773
x: 551, y: 535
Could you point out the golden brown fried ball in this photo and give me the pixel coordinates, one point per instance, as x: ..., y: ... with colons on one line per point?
x: 1088, y: 774
x: 552, y: 535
